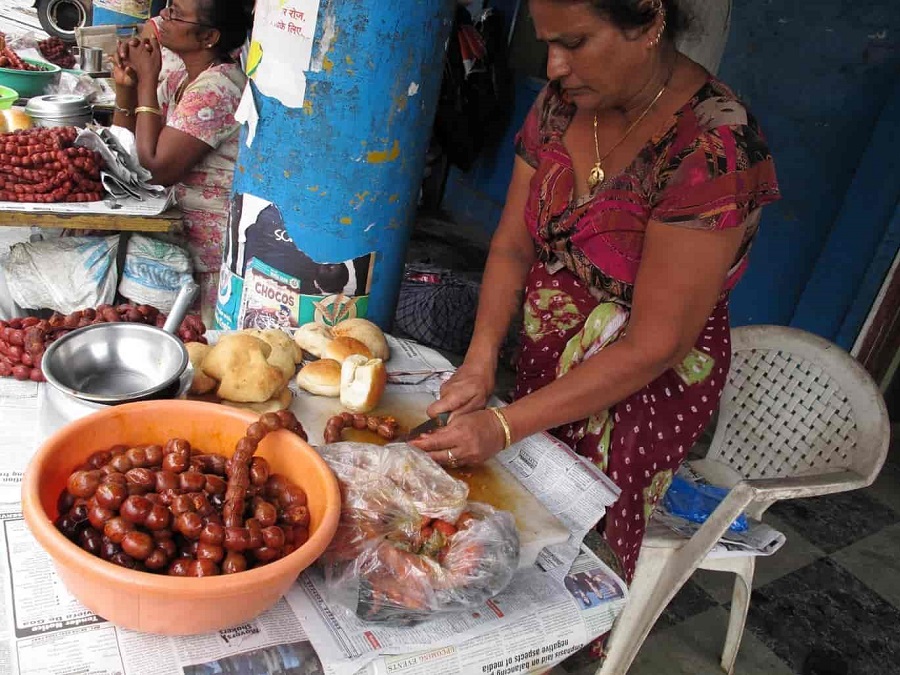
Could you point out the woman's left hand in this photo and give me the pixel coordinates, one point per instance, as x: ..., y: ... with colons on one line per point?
x: 146, y: 61
x: 469, y: 438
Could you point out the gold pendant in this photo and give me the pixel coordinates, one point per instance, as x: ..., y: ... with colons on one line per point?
x: 596, y: 176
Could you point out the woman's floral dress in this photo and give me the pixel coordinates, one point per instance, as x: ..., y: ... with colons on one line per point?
x: 205, y: 110
x: 710, y: 169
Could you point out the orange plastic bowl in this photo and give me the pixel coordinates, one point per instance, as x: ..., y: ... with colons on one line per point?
x: 156, y: 603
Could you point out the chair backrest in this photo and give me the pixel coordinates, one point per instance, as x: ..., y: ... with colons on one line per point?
x: 796, y: 404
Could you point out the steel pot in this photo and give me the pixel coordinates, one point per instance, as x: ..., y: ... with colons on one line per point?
x: 121, y: 362
x: 60, y: 110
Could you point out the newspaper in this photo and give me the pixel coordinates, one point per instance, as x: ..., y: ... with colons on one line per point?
x: 757, y: 539
x: 19, y: 435
x: 536, y: 623
x: 572, y: 489
x: 549, y: 611
x: 533, y: 624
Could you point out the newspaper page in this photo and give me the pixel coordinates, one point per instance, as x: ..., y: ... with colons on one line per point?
x: 570, y: 487
x: 536, y: 623
x: 530, y: 640
x: 757, y: 539
x: 19, y: 435
x: 346, y: 643
x: 46, y: 631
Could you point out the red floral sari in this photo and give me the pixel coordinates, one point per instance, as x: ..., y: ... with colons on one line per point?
x: 710, y: 169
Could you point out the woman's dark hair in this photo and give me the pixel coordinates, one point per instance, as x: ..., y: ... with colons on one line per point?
x: 232, y: 18
x: 629, y: 14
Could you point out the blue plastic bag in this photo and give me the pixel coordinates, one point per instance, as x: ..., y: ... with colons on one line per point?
x: 696, y: 502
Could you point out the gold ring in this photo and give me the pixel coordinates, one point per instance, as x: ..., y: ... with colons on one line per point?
x: 451, y: 460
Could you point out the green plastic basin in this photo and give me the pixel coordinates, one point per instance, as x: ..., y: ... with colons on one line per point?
x: 29, y: 83
x: 7, y: 97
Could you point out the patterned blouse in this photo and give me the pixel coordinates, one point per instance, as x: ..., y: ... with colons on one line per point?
x: 709, y: 169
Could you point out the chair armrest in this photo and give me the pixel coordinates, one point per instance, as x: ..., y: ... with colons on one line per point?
x: 794, y: 487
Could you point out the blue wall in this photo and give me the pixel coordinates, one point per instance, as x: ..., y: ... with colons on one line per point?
x: 818, y: 76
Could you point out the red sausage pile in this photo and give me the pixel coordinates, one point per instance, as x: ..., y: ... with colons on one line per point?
x: 41, y: 165
x: 23, y: 340
x: 173, y: 510
x: 58, y: 52
x: 9, y: 59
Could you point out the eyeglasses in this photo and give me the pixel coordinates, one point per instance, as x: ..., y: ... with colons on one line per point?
x: 169, y: 13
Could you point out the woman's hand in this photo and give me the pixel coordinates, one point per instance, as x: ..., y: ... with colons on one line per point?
x: 146, y: 60
x: 468, y: 390
x: 123, y: 74
x: 470, y: 438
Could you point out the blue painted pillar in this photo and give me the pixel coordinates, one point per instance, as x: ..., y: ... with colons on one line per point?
x: 325, y: 194
x: 120, y: 12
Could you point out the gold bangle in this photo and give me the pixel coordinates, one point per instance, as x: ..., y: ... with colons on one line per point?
x: 148, y: 109
x: 507, y: 432
x: 125, y: 111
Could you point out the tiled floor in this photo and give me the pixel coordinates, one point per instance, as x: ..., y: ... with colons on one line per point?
x: 832, y: 591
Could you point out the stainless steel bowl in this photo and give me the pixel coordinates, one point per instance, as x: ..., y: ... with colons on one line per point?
x: 60, y: 110
x: 121, y: 362
x: 115, y: 362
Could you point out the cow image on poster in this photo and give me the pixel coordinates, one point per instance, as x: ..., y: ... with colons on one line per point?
x: 257, y: 230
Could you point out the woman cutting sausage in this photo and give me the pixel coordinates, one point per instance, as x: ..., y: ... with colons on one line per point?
x: 634, y: 199
x: 184, y: 124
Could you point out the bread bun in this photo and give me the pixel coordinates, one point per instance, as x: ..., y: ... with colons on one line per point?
x: 281, y: 401
x: 14, y: 119
x: 366, y: 332
x: 340, y: 348
x: 322, y: 377
x: 313, y: 338
x: 202, y: 383
x: 362, y: 383
x: 238, y: 362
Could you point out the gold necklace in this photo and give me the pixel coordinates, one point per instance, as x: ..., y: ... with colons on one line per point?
x: 597, y: 173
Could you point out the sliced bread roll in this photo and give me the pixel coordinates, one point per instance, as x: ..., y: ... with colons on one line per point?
x: 366, y: 332
x: 322, y: 377
x: 362, y: 383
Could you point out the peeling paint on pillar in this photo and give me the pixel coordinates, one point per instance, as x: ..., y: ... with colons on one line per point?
x: 355, y: 152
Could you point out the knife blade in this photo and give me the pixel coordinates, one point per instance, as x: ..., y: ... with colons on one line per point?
x: 426, y: 427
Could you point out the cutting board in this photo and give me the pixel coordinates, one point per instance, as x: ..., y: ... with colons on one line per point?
x: 489, y: 483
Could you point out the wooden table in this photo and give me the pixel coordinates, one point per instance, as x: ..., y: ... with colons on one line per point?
x: 164, y: 222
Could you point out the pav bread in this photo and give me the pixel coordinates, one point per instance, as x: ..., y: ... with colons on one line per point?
x: 202, y: 383
x: 313, y: 338
x: 239, y: 362
x: 366, y: 332
x: 340, y: 348
x: 322, y: 378
x: 283, y: 352
x: 362, y: 383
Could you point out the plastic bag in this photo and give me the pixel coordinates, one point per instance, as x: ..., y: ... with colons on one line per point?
x: 408, y: 545
x: 63, y: 274
x: 154, y: 272
x: 696, y: 501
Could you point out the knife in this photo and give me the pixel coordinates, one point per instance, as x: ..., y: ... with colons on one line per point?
x: 426, y: 427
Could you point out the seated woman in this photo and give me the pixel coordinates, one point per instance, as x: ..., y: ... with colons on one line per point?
x: 634, y: 200
x: 184, y: 123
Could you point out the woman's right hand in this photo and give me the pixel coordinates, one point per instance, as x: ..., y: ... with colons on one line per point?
x: 469, y: 389
x: 123, y: 73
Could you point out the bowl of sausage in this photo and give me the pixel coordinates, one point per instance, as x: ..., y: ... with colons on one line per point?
x: 180, y: 517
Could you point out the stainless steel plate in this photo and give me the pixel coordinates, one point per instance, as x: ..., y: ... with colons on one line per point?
x: 115, y: 362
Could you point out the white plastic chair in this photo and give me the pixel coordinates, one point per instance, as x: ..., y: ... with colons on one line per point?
x: 799, y: 418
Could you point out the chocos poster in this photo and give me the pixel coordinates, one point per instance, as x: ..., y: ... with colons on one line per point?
x: 266, y: 281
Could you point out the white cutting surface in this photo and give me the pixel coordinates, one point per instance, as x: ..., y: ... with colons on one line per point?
x: 491, y: 483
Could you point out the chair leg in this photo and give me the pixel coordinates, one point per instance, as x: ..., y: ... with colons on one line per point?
x: 639, y: 614
x: 740, y: 604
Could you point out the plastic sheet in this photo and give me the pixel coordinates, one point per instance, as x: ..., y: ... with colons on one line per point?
x: 696, y: 501
x: 409, y: 546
